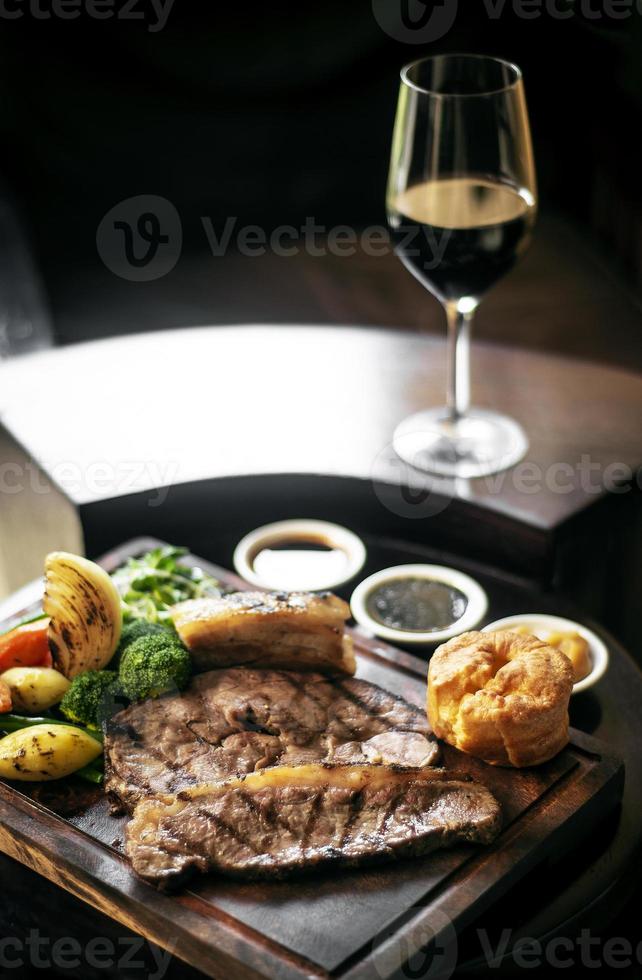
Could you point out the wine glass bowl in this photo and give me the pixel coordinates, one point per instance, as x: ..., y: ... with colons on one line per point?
x: 461, y: 204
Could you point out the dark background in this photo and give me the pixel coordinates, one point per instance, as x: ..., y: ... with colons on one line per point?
x: 271, y: 113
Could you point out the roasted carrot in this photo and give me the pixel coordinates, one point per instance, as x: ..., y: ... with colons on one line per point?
x: 26, y: 646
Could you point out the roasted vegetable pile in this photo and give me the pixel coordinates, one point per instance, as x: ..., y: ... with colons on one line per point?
x: 100, y: 642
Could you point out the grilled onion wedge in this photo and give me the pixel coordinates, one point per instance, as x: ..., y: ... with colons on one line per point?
x: 85, y: 613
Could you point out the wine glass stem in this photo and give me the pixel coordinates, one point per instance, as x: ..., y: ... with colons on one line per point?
x: 458, y: 396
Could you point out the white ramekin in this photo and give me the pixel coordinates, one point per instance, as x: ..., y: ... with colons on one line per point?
x: 332, y: 535
x: 475, y: 610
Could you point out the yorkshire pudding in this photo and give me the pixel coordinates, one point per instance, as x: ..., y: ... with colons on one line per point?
x: 502, y: 697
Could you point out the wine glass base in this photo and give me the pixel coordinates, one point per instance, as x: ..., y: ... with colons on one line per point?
x: 476, y: 444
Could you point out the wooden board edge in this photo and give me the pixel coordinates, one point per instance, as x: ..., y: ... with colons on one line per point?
x: 239, y: 946
x: 604, y: 784
x: 216, y: 946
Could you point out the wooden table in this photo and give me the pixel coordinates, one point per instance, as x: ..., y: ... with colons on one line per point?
x: 126, y: 419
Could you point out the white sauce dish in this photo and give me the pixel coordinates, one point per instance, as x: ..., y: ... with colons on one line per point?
x: 440, y: 602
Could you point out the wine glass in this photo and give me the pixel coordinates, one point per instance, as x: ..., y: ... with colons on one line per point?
x: 461, y: 205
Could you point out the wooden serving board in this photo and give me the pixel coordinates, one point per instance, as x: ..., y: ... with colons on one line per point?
x: 347, y: 924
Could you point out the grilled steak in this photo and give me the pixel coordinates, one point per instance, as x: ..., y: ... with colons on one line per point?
x: 285, y: 819
x: 258, y: 773
x: 298, y: 630
x: 232, y: 722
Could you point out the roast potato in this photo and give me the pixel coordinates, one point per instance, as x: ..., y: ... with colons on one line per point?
x: 34, y: 689
x: 45, y: 752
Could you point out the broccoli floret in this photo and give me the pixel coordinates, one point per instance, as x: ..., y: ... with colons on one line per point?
x: 154, y: 665
x: 91, y: 698
x: 133, y: 631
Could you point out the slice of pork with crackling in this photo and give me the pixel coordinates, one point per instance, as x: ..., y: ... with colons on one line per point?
x: 298, y: 630
x: 286, y: 819
x: 235, y: 721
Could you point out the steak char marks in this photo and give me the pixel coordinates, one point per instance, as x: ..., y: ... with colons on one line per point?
x: 232, y: 722
x: 262, y: 773
x: 290, y: 819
